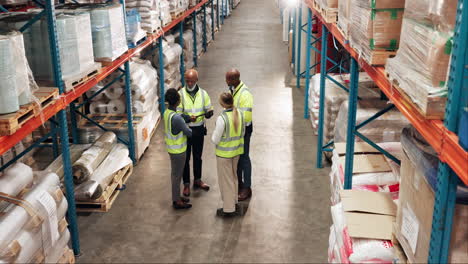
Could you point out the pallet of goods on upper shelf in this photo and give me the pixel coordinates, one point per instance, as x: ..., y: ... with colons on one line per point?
x: 43, y: 98
x: 327, y: 8
x: 32, y: 217
x: 420, y: 68
x: 374, y: 29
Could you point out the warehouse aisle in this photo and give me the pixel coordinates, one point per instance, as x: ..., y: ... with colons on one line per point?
x: 288, y: 218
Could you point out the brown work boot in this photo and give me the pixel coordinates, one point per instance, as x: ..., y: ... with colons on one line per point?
x: 245, y: 194
x: 201, y: 185
x: 186, y: 191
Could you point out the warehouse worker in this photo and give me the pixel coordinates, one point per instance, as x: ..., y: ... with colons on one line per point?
x: 195, y: 106
x: 228, y: 137
x: 176, y: 132
x: 243, y: 100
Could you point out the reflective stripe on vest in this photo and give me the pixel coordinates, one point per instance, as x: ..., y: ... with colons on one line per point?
x: 175, y: 144
x: 232, y: 142
x: 247, y: 110
x: 194, y: 107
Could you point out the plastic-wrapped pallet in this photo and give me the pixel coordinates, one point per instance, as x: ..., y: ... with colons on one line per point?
x: 16, y: 86
x: 149, y: 13
x: 134, y: 29
x: 334, y: 97
x: 421, y: 65
x: 108, y: 30
x: 164, y: 12
x: 373, y: 29
x: 171, y: 61
x: 36, y: 232
x: 386, y: 128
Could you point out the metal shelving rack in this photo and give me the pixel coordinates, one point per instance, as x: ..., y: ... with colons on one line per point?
x: 441, y: 135
x: 56, y: 112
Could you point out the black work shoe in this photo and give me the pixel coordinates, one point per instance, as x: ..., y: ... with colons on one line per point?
x: 201, y: 185
x: 186, y: 191
x: 181, y: 205
x: 221, y: 213
x: 245, y: 194
x: 185, y: 200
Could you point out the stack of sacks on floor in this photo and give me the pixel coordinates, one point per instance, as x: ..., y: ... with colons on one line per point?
x: 421, y: 65
x: 334, y: 97
x: 144, y: 83
x: 419, y: 167
x: 95, y: 168
x: 171, y: 61
x: 164, y: 12
x: 34, y: 229
x: 149, y: 12
x: 386, y: 128
x: 375, y: 26
x: 17, y: 82
x: 74, y: 36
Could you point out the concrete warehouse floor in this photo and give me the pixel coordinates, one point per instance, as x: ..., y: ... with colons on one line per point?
x: 288, y: 217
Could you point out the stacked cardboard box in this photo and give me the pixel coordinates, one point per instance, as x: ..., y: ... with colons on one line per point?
x: 375, y: 28
x: 421, y: 65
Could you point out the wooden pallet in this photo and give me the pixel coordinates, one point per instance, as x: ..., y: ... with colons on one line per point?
x: 176, y: 15
x: 110, y: 121
x: 330, y: 15
x: 91, y: 72
x: 133, y: 45
x: 379, y: 57
x: 68, y: 256
x: 108, y: 197
x: 10, y: 123
x: 433, y: 109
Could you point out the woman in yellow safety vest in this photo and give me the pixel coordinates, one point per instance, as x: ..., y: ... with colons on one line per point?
x: 228, y: 137
x: 176, y: 132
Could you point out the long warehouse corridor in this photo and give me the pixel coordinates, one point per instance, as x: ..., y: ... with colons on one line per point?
x: 288, y: 217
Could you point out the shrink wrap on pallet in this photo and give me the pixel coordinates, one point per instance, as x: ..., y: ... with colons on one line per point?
x: 44, y: 210
x: 386, y: 128
x: 108, y: 30
x: 344, y: 10
x: 440, y: 14
x: 375, y: 29
x: 100, y: 179
x: 15, y: 179
x: 85, y: 166
x: 56, y: 166
x: 421, y: 65
x: 149, y: 13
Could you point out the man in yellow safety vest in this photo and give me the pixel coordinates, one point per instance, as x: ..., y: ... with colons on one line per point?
x: 243, y: 100
x: 195, y: 106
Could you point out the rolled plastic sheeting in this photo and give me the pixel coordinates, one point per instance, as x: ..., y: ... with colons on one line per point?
x: 108, y: 30
x: 99, y: 97
x: 12, y: 71
x: 57, y: 251
x: 16, y: 217
x: 98, y: 107
x: 114, y: 91
x: 116, y: 160
x: 116, y: 107
x: 85, y: 166
x: 15, y: 179
x: 75, y: 153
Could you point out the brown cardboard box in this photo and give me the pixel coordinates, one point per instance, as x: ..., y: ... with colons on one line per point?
x: 368, y: 214
x: 386, y: 4
x: 414, y: 218
x: 440, y: 14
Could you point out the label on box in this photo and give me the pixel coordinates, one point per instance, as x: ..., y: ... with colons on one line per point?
x: 410, y: 227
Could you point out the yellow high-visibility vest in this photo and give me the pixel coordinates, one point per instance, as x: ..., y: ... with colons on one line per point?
x: 243, y: 100
x: 197, y: 106
x: 232, y: 141
x: 175, y: 144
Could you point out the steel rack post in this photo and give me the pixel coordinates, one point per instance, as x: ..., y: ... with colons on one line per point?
x: 217, y: 14
x: 212, y: 21
x: 204, y: 28
x: 128, y: 102
x: 55, y: 141
x: 161, y: 75
x: 352, y: 108
x: 62, y: 120
x: 222, y: 12
x: 195, y: 53
x: 445, y: 196
x: 294, y: 29
x: 299, y: 46
x: 307, y: 71
x: 323, y: 71
x: 73, y: 123
x: 182, y: 60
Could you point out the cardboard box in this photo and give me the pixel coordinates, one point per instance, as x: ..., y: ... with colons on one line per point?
x: 439, y: 14
x: 386, y: 4
x: 368, y: 214
x: 326, y: 4
x: 414, y: 218
x: 366, y: 158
